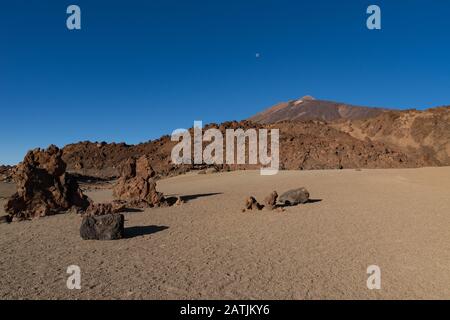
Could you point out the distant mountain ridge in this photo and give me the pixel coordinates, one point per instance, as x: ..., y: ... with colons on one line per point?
x: 421, y: 134
x: 304, y: 145
x: 308, y: 108
x: 314, y: 134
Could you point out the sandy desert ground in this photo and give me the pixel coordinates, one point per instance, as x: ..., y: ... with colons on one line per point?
x: 398, y: 219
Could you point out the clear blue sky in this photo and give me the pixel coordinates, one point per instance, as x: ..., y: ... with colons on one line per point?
x: 139, y: 69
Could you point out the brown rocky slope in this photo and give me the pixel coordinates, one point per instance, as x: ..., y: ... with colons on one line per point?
x: 425, y: 134
x: 303, y: 146
x: 422, y: 135
x: 314, y: 134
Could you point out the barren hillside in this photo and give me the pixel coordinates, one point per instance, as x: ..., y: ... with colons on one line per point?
x: 303, y: 146
x: 308, y: 108
x: 425, y: 133
x: 314, y: 134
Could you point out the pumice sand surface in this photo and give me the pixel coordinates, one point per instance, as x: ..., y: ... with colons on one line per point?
x: 207, y: 248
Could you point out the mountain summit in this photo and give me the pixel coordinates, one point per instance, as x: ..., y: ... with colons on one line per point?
x: 308, y: 108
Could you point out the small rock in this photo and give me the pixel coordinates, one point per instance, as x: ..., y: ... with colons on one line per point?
x: 271, y: 200
x: 294, y: 197
x: 252, y: 204
x: 106, y: 227
x: 179, y: 201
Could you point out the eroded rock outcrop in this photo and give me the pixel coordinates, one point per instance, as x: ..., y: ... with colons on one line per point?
x: 6, y: 173
x: 137, y: 186
x: 307, y: 145
x: 43, y: 187
x: 100, y: 209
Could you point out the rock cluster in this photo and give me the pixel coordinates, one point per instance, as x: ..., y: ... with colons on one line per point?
x: 43, y: 187
x: 273, y: 202
x: 137, y: 186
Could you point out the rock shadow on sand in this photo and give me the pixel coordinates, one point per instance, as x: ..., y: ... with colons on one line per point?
x: 171, y: 200
x: 138, y: 231
x: 314, y: 201
x: 132, y: 210
x: 199, y: 195
x: 286, y: 205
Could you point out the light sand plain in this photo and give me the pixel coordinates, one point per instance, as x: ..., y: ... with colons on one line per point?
x: 208, y: 249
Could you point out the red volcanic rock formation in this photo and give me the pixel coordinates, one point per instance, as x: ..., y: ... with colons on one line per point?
x: 137, y: 186
x: 101, y: 209
x: 424, y: 134
x: 43, y: 187
x: 303, y: 146
x: 6, y: 173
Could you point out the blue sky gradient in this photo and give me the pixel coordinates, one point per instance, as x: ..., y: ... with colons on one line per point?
x: 140, y: 69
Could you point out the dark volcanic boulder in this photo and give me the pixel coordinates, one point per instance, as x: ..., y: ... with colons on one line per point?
x: 43, y: 186
x: 294, y: 197
x: 106, y: 227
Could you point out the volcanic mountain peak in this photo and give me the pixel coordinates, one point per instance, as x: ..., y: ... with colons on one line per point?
x: 303, y: 99
x: 308, y: 98
x: 309, y: 108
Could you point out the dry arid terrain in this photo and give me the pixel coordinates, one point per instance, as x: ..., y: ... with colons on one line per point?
x: 208, y: 248
x: 384, y: 201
